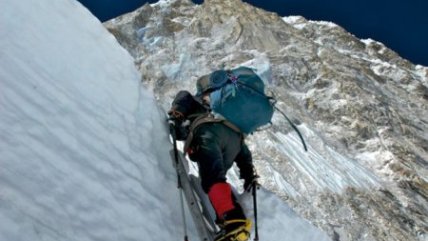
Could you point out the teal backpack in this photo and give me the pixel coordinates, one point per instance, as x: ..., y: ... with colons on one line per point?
x: 239, y: 96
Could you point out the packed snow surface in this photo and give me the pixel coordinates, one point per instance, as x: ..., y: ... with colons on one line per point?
x: 83, y: 147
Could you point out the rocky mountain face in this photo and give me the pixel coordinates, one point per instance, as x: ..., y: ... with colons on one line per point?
x: 362, y: 109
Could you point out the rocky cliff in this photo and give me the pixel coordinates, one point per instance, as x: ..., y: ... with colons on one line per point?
x: 361, y: 107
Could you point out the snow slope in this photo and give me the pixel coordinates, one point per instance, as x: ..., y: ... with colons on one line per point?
x: 83, y: 148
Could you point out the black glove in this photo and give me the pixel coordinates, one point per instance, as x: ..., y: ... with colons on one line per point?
x: 181, y: 126
x: 250, y: 177
x: 249, y: 183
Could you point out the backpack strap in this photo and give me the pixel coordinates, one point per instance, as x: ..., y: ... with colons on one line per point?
x: 206, y: 118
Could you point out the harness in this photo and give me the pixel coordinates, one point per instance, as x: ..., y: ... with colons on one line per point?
x: 206, y: 118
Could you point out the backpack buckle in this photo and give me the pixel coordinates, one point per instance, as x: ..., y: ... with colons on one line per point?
x: 233, y: 78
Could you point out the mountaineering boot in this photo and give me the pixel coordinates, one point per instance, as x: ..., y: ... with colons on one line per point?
x: 236, y: 227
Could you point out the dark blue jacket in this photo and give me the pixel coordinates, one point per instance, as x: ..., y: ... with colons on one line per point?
x: 214, y: 145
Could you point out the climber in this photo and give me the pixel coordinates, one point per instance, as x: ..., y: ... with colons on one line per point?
x: 215, y: 144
